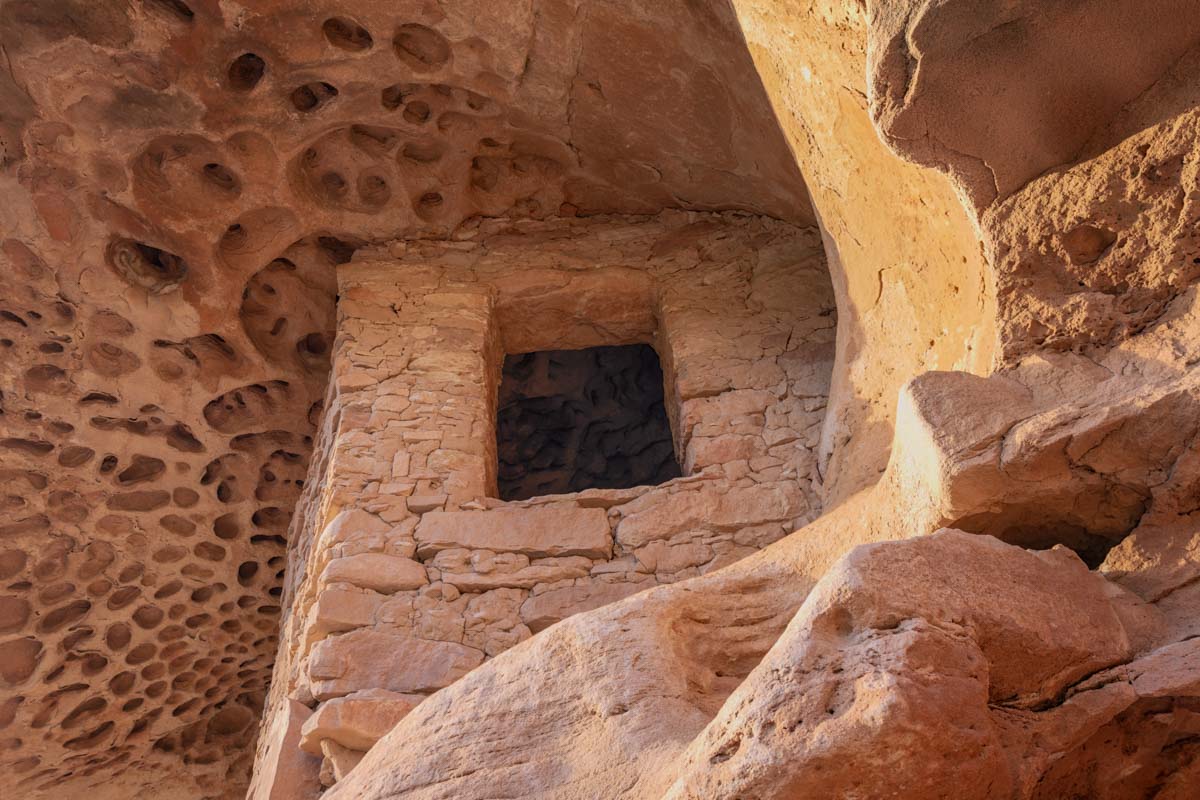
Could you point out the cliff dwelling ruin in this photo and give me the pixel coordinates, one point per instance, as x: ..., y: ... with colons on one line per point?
x: 630, y: 399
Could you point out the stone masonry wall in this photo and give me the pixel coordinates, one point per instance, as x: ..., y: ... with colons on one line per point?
x: 408, y: 573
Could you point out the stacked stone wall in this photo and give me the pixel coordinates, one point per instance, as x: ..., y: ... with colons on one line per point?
x: 410, y: 572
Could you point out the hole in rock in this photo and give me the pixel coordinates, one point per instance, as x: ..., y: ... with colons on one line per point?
x: 1035, y: 530
x: 392, y: 97
x: 175, y: 8
x: 373, y: 140
x: 221, y: 177
x: 421, y: 48
x: 339, y: 251
x: 150, y: 267
x: 246, y: 71
x: 417, y: 112
x: 1085, y: 244
x: 570, y: 420
x: 346, y: 34
x: 313, y: 345
x: 373, y: 189
x: 423, y: 152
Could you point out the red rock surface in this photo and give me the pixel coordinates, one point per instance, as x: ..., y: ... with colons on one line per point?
x: 921, y: 277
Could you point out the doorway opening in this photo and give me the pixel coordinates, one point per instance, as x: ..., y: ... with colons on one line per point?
x: 569, y: 420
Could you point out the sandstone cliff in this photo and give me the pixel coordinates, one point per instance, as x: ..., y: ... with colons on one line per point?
x: 917, y: 515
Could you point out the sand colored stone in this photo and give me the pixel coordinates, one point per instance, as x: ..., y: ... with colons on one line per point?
x: 920, y: 278
x: 545, y: 532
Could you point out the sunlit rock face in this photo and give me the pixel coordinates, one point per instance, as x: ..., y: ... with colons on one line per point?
x: 181, y: 181
x: 906, y: 502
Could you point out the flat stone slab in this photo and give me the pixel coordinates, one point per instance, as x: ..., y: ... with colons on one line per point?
x: 538, y: 532
x: 357, y: 720
x: 543, y: 610
x: 370, y: 659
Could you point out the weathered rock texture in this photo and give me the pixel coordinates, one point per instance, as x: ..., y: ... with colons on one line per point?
x: 261, y: 264
x: 180, y: 179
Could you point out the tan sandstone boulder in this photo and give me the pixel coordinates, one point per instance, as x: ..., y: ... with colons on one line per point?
x: 357, y: 720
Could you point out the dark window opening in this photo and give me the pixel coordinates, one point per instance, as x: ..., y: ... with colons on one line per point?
x: 570, y: 420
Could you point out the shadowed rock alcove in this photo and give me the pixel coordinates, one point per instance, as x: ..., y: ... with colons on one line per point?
x: 570, y: 420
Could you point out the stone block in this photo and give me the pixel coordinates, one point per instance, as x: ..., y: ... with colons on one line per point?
x: 738, y: 411
x: 543, y: 610
x: 709, y: 507
x: 357, y: 720
x: 538, y: 532
x: 376, y: 571
x: 370, y: 659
